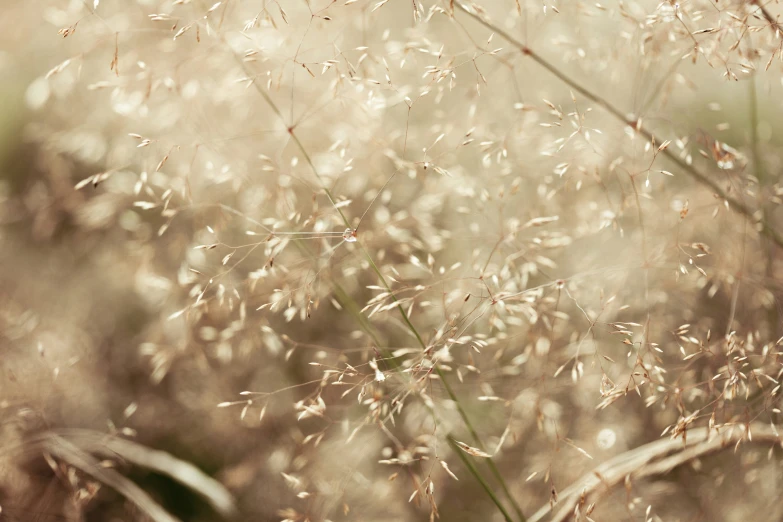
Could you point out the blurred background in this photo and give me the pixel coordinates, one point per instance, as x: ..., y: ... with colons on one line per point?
x: 260, y: 260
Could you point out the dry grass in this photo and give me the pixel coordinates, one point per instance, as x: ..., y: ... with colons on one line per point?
x: 357, y: 260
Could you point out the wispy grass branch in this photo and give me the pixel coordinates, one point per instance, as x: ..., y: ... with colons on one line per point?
x: 351, y: 306
x: 690, y: 170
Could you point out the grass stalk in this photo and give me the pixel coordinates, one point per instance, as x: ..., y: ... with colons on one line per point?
x: 472, y: 468
x: 758, y: 171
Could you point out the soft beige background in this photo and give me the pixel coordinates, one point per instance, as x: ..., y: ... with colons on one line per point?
x: 88, y: 283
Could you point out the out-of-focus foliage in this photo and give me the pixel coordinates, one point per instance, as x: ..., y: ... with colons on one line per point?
x: 391, y: 260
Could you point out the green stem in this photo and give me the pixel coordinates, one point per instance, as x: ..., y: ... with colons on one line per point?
x: 758, y: 168
x: 469, y: 464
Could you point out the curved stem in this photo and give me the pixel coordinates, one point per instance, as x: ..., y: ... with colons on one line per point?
x: 655, y: 458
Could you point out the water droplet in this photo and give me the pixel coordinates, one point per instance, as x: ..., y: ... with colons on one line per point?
x: 349, y: 235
